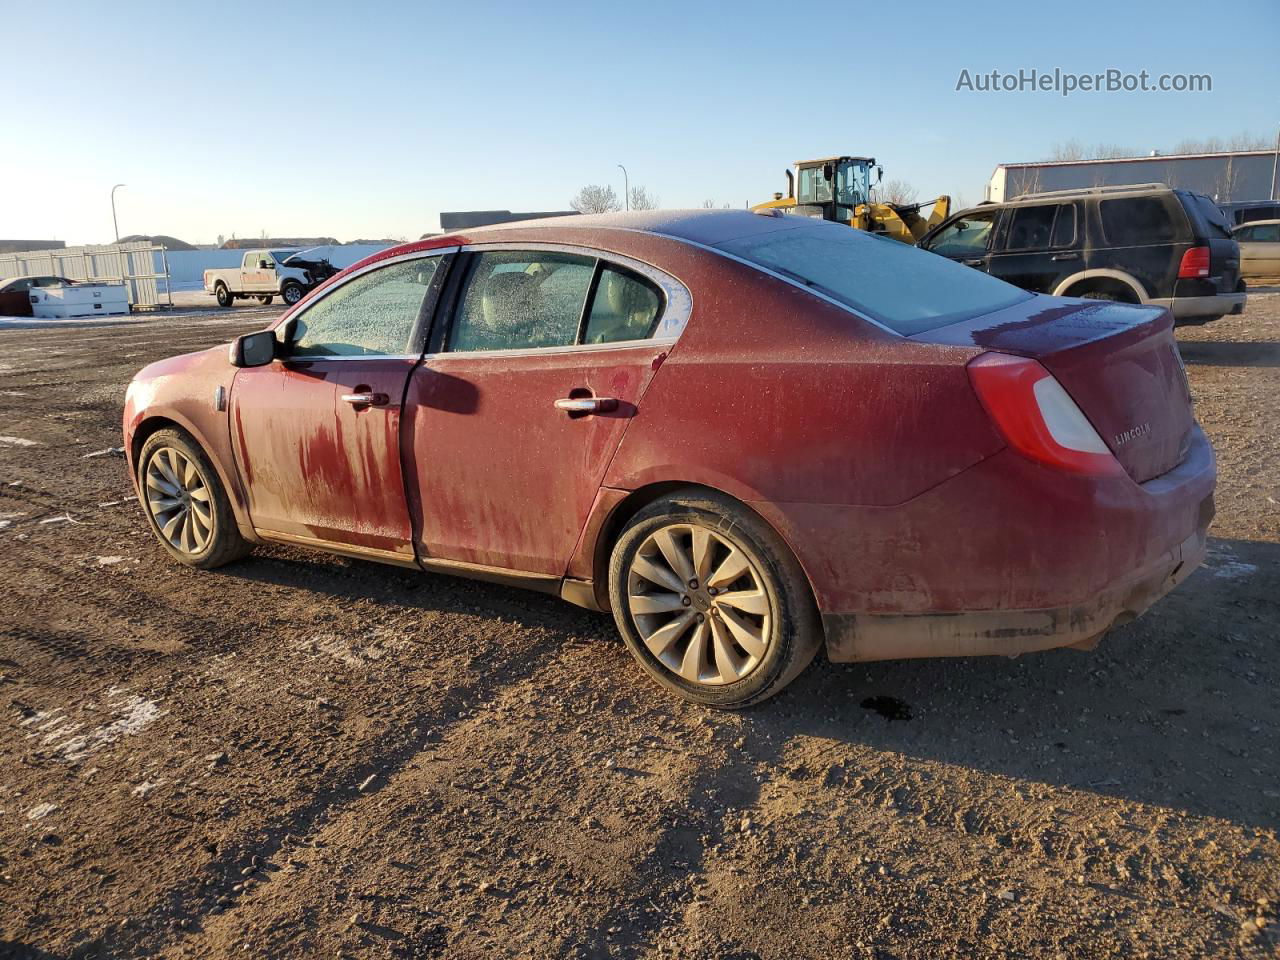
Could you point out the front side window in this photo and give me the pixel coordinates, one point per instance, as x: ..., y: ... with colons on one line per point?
x: 966, y: 237
x: 905, y: 289
x: 372, y: 315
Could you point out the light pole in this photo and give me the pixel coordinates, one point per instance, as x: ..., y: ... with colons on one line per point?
x: 114, y: 222
x: 626, y: 187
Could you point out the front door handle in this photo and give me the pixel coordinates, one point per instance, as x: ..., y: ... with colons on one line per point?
x: 365, y: 399
x: 974, y: 263
x: 584, y: 405
x: 1065, y: 256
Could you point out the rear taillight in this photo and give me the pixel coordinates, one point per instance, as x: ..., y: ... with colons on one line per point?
x: 1195, y: 263
x: 1037, y: 417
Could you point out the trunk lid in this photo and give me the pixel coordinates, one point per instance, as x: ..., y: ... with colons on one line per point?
x: 1119, y: 363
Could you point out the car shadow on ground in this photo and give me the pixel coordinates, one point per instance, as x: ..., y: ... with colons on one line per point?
x: 1222, y: 353
x: 1176, y: 709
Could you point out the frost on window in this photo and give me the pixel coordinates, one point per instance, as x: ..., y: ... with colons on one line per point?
x: 903, y: 288
x: 521, y: 300
x: 372, y: 315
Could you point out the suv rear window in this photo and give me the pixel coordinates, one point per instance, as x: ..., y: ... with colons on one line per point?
x: 905, y: 289
x: 1132, y: 221
x: 1211, y: 215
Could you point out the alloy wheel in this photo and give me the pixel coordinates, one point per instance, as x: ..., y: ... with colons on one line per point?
x: 699, y: 604
x: 179, y: 500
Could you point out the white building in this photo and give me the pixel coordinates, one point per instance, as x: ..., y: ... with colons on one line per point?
x: 1230, y: 177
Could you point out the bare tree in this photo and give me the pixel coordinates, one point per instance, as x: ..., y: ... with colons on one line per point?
x: 595, y: 199
x: 897, y: 191
x: 713, y: 205
x: 1070, y: 150
x: 642, y: 199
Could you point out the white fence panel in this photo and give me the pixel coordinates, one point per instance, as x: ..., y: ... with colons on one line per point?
x: 139, y: 266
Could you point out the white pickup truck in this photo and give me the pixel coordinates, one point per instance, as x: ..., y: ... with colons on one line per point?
x: 266, y: 274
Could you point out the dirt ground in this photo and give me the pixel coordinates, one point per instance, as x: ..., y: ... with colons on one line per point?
x: 303, y: 756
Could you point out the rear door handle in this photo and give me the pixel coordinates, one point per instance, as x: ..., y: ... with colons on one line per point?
x: 365, y: 399
x: 581, y: 405
x: 1065, y: 256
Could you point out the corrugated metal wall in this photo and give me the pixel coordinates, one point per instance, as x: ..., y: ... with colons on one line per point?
x: 138, y: 265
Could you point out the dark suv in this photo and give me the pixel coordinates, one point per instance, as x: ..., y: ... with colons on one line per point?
x: 1144, y: 243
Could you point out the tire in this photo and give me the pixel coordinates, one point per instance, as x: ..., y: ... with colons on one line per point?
x: 265, y: 300
x: 192, y: 539
x: 225, y: 297
x: 291, y: 293
x: 718, y: 670
x: 1101, y: 295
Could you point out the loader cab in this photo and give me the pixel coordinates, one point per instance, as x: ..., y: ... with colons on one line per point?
x: 830, y: 189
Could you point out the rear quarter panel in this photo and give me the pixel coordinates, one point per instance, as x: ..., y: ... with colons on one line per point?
x: 772, y: 394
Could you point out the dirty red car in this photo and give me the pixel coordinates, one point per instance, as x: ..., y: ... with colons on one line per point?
x: 747, y: 436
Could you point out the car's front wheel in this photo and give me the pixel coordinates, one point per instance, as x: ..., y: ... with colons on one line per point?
x: 265, y: 300
x: 711, y: 602
x: 185, y: 502
x: 291, y: 293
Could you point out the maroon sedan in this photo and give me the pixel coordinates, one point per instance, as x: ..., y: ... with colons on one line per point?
x: 748, y: 436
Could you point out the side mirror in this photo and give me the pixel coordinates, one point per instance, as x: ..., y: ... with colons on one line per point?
x: 253, y: 349
x: 264, y: 265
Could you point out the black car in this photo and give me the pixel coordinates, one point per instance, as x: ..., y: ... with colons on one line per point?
x: 15, y: 293
x: 1133, y: 244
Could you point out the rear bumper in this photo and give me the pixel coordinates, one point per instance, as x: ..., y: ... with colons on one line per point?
x: 1219, y: 305
x: 861, y: 637
x: 1006, y: 557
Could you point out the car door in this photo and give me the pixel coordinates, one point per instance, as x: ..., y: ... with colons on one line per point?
x: 1259, y: 250
x: 516, y: 411
x: 1034, y: 246
x: 965, y: 238
x: 255, y: 277
x: 317, y: 431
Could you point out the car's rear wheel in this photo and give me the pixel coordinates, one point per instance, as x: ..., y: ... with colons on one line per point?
x: 711, y: 602
x: 291, y: 293
x: 185, y: 502
x: 223, y: 295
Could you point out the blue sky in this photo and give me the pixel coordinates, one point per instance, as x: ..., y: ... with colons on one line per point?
x: 367, y: 119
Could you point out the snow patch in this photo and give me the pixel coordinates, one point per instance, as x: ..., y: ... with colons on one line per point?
x: 41, y: 810
x: 135, y: 714
x: 1235, y: 570
x: 17, y: 442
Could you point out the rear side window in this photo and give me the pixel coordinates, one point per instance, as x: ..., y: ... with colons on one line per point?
x: 520, y: 300
x: 1064, y: 226
x: 1030, y: 228
x: 624, y: 308
x: 1133, y: 221
x: 528, y: 300
x: 908, y: 290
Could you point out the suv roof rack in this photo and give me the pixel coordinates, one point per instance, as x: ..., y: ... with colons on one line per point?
x: 1082, y: 191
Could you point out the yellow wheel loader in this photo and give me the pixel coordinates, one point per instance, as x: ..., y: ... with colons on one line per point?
x: 839, y: 189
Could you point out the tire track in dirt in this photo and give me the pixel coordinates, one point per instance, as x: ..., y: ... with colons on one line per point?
x: 464, y: 794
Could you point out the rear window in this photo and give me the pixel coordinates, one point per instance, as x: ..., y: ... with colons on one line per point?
x: 1133, y: 221
x: 1211, y: 215
x: 908, y: 290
